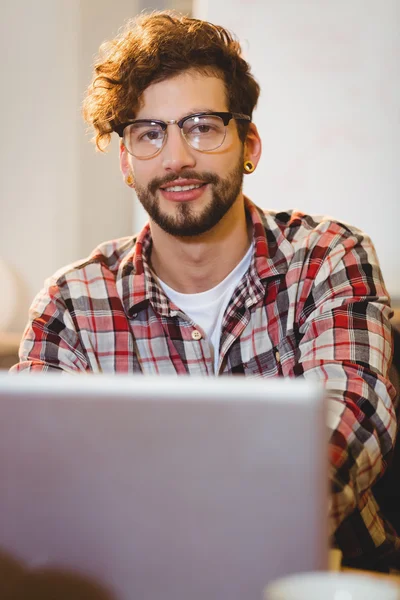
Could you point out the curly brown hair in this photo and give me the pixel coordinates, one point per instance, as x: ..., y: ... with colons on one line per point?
x: 153, y: 48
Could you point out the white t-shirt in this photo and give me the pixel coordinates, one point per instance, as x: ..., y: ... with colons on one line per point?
x: 206, y: 309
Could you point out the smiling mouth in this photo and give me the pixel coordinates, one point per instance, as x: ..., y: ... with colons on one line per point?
x: 182, y: 192
x: 183, y: 188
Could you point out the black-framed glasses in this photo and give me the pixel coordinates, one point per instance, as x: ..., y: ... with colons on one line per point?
x: 144, y: 138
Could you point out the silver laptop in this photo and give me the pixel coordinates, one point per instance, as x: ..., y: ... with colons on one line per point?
x: 164, y: 488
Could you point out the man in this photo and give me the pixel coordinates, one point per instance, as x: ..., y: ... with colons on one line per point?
x: 215, y: 285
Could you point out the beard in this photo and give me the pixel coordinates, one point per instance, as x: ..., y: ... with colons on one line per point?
x: 186, y: 222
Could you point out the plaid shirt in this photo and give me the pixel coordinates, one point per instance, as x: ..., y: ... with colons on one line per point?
x: 312, y: 304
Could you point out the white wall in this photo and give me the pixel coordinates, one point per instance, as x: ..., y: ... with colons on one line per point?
x: 329, y: 110
x: 38, y: 143
x: 58, y: 197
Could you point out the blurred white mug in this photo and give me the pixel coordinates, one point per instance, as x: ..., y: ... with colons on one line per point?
x: 331, y: 586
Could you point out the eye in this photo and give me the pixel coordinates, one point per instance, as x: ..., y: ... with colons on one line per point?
x: 202, y: 128
x: 151, y: 136
x: 144, y: 132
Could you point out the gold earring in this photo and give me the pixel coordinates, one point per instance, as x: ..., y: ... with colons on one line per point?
x: 129, y: 180
x: 249, y: 166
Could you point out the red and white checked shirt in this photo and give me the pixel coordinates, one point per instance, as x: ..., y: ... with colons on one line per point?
x: 312, y: 304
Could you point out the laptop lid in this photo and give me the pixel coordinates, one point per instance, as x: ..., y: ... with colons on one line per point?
x: 163, y: 487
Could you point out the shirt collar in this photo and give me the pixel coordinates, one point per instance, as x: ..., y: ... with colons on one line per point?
x: 272, y: 251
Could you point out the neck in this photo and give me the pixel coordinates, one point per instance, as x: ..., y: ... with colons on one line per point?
x: 195, y: 264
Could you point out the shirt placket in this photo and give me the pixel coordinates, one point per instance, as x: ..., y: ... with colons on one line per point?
x: 238, y: 314
x: 194, y: 350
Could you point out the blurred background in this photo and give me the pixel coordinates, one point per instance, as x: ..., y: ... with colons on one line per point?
x: 329, y: 118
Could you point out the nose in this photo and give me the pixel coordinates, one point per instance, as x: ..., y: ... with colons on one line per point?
x: 177, y: 154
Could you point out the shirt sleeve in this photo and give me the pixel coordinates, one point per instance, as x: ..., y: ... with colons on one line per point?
x: 346, y: 342
x: 50, y: 341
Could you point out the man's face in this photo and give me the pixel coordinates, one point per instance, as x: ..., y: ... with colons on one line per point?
x: 158, y: 179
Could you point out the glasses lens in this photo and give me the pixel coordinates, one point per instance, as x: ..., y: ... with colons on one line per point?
x: 143, y: 139
x: 205, y: 132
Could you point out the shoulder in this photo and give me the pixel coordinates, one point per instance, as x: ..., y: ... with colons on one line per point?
x: 300, y: 228
x: 313, y: 246
x: 92, y: 277
x: 104, y: 261
x: 301, y: 236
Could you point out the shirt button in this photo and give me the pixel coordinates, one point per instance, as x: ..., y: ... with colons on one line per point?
x: 196, y: 335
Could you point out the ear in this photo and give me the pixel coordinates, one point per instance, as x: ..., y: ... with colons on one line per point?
x: 252, y: 145
x: 125, y: 165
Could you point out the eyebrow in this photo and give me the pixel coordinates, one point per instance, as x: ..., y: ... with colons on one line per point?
x: 200, y: 110
x: 193, y: 111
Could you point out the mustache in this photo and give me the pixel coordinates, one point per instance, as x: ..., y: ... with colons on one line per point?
x: 206, y: 177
